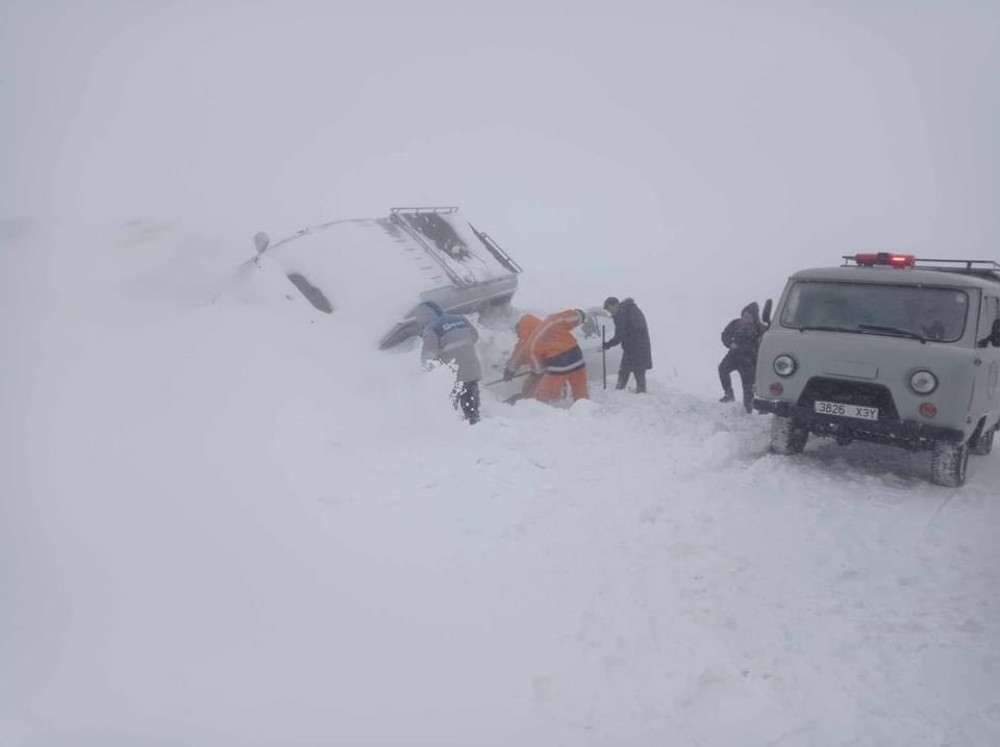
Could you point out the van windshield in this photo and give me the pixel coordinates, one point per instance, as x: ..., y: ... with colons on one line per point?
x: 869, y: 308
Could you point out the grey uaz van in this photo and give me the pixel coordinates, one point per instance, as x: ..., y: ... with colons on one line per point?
x: 887, y: 349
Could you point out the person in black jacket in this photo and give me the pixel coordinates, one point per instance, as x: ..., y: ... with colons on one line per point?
x: 742, y: 338
x: 633, y: 335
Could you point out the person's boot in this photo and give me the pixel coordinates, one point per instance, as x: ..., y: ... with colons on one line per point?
x: 727, y: 397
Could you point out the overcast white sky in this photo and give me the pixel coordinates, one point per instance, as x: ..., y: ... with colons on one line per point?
x: 787, y: 130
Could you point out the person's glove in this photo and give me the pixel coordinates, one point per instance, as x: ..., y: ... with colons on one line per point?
x: 606, y: 346
x: 508, y: 374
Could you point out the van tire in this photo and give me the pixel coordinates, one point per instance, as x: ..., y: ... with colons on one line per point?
x: 949, y: 464
x: 983, y: 443
x: 787, y: 436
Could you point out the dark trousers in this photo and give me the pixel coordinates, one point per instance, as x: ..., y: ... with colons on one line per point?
x: 640, y: 379
x: 466, y: 396
x: 747, y: 371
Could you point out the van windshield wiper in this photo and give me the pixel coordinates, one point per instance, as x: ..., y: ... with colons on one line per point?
x: 893, y: 331
x: 827, y: 328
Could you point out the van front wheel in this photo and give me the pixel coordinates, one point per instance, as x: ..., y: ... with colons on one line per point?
x: 787, y: 436
x: 949, y: 463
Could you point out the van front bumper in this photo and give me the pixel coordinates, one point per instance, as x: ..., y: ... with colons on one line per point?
x: 888, y: 430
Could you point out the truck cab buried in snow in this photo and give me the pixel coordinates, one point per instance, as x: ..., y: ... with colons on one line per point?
x: 887, y: 349
x: 378, y: 269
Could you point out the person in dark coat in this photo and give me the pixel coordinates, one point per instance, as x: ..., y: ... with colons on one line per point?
x: 633, y: 335
x: 742, y: 340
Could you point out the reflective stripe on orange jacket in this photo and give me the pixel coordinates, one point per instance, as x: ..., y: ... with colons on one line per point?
x: 543, y: 343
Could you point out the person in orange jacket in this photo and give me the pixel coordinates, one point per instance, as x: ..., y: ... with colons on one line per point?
x: 549, y: 349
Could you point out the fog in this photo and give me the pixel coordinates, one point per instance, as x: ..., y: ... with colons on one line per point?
x: 774, y: 135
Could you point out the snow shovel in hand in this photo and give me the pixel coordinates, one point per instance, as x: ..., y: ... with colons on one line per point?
x: 604, y: 362
x: 528, y: 391
x: 500, y: 381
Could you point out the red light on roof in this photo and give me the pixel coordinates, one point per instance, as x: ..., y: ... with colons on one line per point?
x: 885, y: 258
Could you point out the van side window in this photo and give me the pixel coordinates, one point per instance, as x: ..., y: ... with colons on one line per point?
x: 991, y: 312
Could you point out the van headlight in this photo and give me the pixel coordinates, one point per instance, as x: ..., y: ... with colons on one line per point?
x: 785, y: 365
x: 923, y: 382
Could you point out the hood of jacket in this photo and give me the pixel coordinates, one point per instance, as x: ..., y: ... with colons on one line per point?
x: 526, y: 325
x: 426, y: 312
x: 753, y: 309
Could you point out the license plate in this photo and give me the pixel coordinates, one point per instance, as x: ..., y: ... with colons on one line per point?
x: 847, y: 411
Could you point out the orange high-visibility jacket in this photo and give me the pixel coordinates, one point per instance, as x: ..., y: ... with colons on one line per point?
x: 547, y: 345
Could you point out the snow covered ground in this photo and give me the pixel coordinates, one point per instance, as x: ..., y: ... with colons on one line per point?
x: 226, y: 520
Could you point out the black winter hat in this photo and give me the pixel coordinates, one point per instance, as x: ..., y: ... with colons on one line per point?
x: 610, y: 301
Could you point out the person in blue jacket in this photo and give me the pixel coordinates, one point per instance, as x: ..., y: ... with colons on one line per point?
x: 451, y: 339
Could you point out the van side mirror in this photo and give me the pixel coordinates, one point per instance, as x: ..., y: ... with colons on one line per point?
x: 766, y: 316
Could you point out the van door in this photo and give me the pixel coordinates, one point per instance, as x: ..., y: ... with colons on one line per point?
x: 990, y: 356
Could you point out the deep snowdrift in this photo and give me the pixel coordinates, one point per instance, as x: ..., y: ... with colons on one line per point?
x: 227, y: 520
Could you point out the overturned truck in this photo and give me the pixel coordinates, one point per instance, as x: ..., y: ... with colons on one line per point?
x: 386, y: 266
